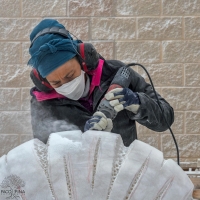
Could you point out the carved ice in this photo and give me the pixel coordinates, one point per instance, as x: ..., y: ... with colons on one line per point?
x: 90, y: 166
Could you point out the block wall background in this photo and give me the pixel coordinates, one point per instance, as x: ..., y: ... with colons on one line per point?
x: 164, y: 35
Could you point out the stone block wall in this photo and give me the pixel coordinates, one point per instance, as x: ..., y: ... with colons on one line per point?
x: 163, y: 35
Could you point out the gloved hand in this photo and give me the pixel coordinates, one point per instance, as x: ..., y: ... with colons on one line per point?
x: 123, y: 98
x: 99, y: 122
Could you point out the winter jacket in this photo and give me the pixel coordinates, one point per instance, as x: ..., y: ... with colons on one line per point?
x: 56, y: 115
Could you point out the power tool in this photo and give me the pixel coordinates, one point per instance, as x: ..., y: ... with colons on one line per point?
x: 122, y: 79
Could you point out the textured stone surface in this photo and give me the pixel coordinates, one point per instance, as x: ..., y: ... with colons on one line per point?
x: 160, y: 28
x: 10, y: 99
x: 192, y: 27
x: 188, y: 146
x: 193, y: 123
x: 113, y: 28
x: 8, y: 142
x: 164, y: 74
x: 183, y: 99
x: 137, y: 7
x: 15, y: 76
x: 90, y: 8
x: 151, y: 139
x: 78, y: 26
x: 146, y: 52
x: 15, y: 122
x: 181, y: 51
x: 192, y: 75
x: 106, y: 49
x: 10, y: 8
x: 143, y: 130
x: 16, y: 29
x: 44, y: 8
x: 178, y: 125
x: 25, y: 52
x: 25, y: 138
x: 26, y: 97
x: 10, y: 53
x: 188, y: 162
x: 181, y: 7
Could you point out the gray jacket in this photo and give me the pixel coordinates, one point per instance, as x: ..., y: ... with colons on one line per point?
x: 64, y: 114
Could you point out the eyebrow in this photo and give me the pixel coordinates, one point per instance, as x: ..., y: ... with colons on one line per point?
x: 64, y: 77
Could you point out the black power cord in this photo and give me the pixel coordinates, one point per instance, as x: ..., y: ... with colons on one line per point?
x: 134, y: 64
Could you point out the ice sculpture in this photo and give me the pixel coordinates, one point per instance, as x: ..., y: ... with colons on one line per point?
x: 94, y: 165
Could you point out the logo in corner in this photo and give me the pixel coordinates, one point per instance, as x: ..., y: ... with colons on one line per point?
x: 11, y: 187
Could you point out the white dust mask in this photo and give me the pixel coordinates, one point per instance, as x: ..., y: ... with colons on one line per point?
x: 73, y: 89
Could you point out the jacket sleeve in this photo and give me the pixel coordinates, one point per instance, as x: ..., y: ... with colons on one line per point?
x: 149, y: 114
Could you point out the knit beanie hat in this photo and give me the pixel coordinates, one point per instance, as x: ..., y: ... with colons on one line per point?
x: 49, y: 51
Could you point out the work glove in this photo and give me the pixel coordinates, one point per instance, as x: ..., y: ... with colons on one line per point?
x: 99, y: 122
x: 123, y: 98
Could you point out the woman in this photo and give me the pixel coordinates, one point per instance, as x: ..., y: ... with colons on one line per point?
x: 71, y: 79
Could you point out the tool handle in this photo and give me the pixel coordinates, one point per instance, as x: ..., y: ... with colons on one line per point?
x: 122, y: 79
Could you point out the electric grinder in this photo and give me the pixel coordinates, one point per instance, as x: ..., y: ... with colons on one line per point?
x: 122, y: 79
